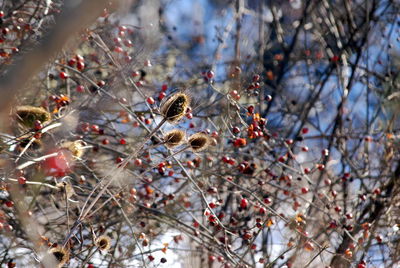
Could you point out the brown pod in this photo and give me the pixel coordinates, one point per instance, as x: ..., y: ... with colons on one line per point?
x: 27, y: 115
x: 199, y: 142
x: 174, y: 138
x: 60, y: 254
x: 103, y: 242
x: 174, y: 108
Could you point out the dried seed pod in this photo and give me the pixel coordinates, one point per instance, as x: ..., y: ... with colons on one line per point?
x: 61, y: 255
x: 199, y: 142
x: 174, y: 138
x: 27, y: 115
x: 77, y: 148
x: 103, y: 242
x: 174, y: 108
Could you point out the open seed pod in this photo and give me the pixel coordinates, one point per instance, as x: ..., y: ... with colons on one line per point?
x: 174, y: 108
x: 60, y: 254
x: 103, y: 242
x: 27, y: 115
x: 199, y: 142
x: 174, y: 138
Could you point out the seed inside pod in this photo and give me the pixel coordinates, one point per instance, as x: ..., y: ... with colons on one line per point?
x: 61, y: 255
x: 199, y: 142
x: 174, y: 138
x: 174, y: 108
x: 103, y: 242
x: 27, y: 115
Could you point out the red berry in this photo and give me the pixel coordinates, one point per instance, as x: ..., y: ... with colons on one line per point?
x: 122, y: 141
x: 321, y: 166
x: 267, y: 200
x: 38, y: 125
x: 289, y: 141
x: 235, y: 130
x: 161, y: 95
x: 378, y: 239
x: 95, y: 128
x: 243, y: 203
x: 338, y: 209
x: 117, y: 41
x: 9, y: 203
x: 118, y: 49
x: 256, y: 78
x: 80, y: 88
x: 304, y: 130
x: 138, y: 162
x: 247, y: 236
x: 72, y: 62
x: 262, y: 210
x: 335, y: 59
x: 101, y: 83
x: 135, y: 74
x: 304, y: 190
x: 80, y: 66
x: 121, y: 33
x: 105, y: 141
x: 164, y: 87
x: 22, y: 180
x: 79, y: 58
x: 240, y: 142
x: 63, y: 75
x: 368, y: 139
x: 304, y: 149
x: 6, y: 31
x: 128, y: 43
x: 150, y: 100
